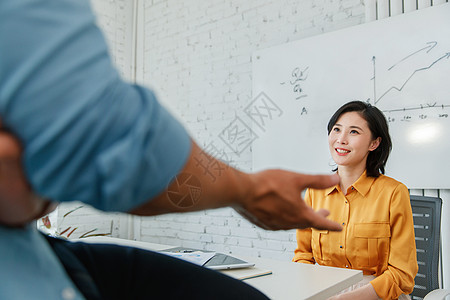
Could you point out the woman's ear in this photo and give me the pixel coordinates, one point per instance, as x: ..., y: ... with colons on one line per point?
x: 375, y: 143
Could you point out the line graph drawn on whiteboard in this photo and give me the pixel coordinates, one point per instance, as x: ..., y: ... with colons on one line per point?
x: 401, y: 65
x: 420, y: 63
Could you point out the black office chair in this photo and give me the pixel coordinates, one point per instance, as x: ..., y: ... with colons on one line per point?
x: 427, y: 229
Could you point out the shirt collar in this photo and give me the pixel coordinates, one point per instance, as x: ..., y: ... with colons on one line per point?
x: 362, y: 185
x: 331, y: 189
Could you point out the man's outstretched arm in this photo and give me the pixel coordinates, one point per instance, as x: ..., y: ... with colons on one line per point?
x: 270, y: 199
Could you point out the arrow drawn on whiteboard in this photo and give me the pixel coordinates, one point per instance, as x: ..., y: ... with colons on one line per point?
x: 430, y: 46
x: 446, y: 55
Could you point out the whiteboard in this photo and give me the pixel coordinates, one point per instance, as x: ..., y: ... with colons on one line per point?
x: 400, y: 64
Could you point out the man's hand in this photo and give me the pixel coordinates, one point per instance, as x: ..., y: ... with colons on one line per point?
x: 18, y: 204
x: 270, y: 199
x: 277, y: 204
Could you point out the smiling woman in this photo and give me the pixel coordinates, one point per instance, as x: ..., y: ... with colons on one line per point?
x: 371, y: 122
x: 373, y: 209
x: 351, y: 142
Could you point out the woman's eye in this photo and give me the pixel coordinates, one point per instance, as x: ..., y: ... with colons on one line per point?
x: 354, y: 132
x: 336, y: 129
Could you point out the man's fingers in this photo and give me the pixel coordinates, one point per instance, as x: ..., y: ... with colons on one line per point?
x: 319, y: 221
x: 318, y: 181
x: 323, y: 212
x: 252, y: 218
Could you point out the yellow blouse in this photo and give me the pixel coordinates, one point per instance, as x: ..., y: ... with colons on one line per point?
x: 377, y: 235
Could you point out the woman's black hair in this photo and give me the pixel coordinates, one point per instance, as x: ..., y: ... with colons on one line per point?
x: 376, y: 120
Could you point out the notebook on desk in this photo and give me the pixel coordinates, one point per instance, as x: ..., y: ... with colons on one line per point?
x: 214, y: 260
x: 246, y: 273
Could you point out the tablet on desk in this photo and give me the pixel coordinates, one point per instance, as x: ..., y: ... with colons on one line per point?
x: 219, y: 261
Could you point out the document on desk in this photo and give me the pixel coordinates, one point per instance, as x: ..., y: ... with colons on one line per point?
x: 197, y: 257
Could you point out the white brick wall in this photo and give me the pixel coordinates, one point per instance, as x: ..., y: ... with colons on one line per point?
x: 197, y: 56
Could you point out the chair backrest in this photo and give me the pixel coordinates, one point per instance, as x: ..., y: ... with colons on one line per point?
x: 427, y: 229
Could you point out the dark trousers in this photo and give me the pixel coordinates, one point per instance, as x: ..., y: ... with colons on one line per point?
x: 105, y: 271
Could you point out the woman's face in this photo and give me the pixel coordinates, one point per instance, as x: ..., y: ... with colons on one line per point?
x: 350, y: 140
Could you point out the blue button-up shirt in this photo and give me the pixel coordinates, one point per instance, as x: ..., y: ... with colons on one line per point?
x: 87, y: 134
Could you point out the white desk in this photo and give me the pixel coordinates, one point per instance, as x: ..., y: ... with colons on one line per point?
x: 291, y: 280
x: 288, y: 280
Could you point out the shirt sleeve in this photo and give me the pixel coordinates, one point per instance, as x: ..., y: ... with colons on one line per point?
x: 87, y: 134
x: 402, y: 262
x: 303, y: 252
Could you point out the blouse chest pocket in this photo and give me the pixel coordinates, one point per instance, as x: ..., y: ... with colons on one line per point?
x: 320, y: 245
x: 371, y: 243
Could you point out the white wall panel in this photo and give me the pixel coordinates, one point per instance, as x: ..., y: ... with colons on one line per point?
x: 396, y: 7
x: 371, y: 10
x: 382, y: 9
x: 423, y: 4
x: 409, y: 5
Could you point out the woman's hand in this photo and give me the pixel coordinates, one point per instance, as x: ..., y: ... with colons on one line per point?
x: 366, y: 292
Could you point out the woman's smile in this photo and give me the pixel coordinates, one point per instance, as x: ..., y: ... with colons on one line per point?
x: 342, y: 152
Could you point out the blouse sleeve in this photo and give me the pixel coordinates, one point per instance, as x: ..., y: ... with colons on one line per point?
x: 402, y: 262
x: 303, y: 253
